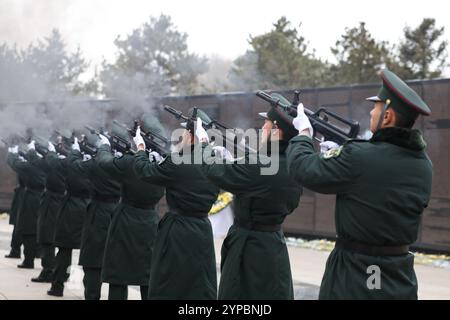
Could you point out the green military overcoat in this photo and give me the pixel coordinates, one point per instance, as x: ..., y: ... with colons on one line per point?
x: 132, y: 233
x: 17, y: 199
x: 72, y: 213
x: 26, y: 222
x: 105, y: 196
x: 183, y: 262
x: 382, y: 187
x: 50, y: 202
x: 255, y: 264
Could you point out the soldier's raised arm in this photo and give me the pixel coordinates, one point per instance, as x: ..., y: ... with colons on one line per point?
x: 55, y: 162
x: 232, y: 177
x: 76, y: 160
x: 17, y: 163
x: 162, y: 173
x: 114, y: 166
x: 331, y: 172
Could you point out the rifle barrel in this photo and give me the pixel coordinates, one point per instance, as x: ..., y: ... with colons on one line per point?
x: 176, y: 113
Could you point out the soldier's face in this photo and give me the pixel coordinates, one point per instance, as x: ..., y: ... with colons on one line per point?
x: 375, y: 115
x: 266, y: 131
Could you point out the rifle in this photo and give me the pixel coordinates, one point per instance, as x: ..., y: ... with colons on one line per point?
x: 41, y: 149
x: 153, y: 141
x: 319, y: 119
x: 8, y: 144
x: 86, y: 147
x: 214, y: 125
x: 117, y: 143
x: 63, y: 143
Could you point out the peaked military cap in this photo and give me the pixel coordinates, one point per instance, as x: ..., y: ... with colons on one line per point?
x: 281, y: 118
x: 402, y: 98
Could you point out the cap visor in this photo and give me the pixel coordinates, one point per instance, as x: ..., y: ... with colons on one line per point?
x: 374, y: 99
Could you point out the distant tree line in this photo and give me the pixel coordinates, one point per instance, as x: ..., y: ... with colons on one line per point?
x: 280, y: 59
x: 155, y: 60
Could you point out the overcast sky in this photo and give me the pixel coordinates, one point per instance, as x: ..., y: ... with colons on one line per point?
x: 214, y: 27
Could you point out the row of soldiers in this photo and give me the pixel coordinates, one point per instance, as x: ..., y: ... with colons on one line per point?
x: 106, y: 206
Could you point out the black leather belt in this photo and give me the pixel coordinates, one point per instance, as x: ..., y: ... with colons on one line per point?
x: 137, y: 205
x: 199, y: 215
x: 369, y: 250
x: 255, y: 226
x: 106, y: 198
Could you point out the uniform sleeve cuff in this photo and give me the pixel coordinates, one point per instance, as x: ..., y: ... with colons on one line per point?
x: 301, y: 139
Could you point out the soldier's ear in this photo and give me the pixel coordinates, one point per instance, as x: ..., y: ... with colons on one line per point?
x: 389, y: 118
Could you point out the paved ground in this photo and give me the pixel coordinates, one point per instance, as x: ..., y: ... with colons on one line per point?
x: 307, y: 267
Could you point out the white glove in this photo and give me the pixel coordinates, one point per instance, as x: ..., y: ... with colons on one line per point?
x: 118, y: 154
x: 138, y: 140
x: 51, y: 147
x: 75, y: 145
x: 154, y: 156
x: 31, y: 145
x: 104, y: 140
x: 87, y: 157
x: 14, y: 150
x: 301, y: 121
x: 223, y: 152
x: 327, y: 145
x: 22, y: 159
x: 61, y: 156
x: 200, y: 132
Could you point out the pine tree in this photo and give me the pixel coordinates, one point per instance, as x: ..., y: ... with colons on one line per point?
x: 359, y: 57
x: 422, y: 53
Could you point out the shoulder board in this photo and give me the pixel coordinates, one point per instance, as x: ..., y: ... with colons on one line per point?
x: 332, y: 153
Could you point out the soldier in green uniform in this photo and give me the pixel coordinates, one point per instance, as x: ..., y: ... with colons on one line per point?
x: 48, y: 210
x: 183, y: 262
x: 16, y: 241
x: 27, y: 215
x: 382, y: 187
x: 106, y: 195
x: 70, y: 218
x: 131, y: 235
x: 255, y: 261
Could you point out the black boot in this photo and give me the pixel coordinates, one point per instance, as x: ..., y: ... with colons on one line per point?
x: 26, y: 265
x: 56, y: 290
x: 45, y: 276
x: 13, y: 255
